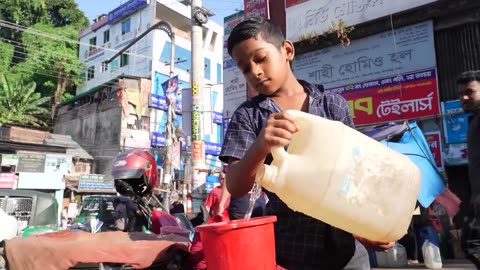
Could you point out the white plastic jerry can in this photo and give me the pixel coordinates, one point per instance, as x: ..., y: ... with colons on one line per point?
x: 431, y: 255
x: 395, y: 257
x: 342, y: 177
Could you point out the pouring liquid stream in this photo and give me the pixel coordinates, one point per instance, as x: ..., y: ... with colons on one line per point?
x: 255, y: 194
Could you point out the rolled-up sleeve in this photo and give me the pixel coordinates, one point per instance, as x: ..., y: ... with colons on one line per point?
x: 239, y: 137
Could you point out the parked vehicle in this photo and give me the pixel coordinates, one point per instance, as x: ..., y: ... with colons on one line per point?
x: 101, y: 207
x: 35, y: 211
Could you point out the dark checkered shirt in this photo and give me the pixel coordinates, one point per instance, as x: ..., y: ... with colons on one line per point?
x: 301, y: 241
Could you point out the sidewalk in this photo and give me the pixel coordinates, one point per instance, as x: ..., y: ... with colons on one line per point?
x: 449, y: 264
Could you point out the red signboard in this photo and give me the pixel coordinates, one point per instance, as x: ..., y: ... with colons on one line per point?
x: 197, y: 152
x: 407, y: 96
x: 7, y: 180
x: 289, y: 3
x: 434, y: 140
x: 256, y: 8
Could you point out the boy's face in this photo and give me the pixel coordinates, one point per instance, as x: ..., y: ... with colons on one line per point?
x: 264, y: 66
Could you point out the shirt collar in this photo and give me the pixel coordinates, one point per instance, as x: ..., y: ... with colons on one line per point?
x: 315, y: 92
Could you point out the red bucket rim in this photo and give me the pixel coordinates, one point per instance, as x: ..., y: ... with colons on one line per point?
x: 236, y: 224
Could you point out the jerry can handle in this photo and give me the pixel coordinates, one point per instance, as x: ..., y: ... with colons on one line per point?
x: 279, y: 153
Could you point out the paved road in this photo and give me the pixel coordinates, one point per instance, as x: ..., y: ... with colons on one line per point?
x: 452, y: 264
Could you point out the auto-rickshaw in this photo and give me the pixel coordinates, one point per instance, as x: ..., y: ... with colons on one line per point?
x: 35, y: 211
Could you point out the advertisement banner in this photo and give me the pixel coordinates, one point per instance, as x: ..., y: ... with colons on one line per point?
x: 157, y: 96
x: 212, y: 148
x: 7, y: 180
x: 95, y: 182
x: 256, y: 8
x: 158, y: 139
x: 175, y: 155
x: 9, y: 160
x: 370, y: 58
x: 125, y: 9
x: 290, y: 3
x: 197, y: 150
x: 407, y: 96
x: 316, y: 16
x: 58, y: 164
x: 434, y: 140
x: 455, y: 122
x: 217, y: 117
x: 170, y: 88
x: 231, y: 21
x: 226, y: 121
x: 456, y: 154
x: 31, y: 162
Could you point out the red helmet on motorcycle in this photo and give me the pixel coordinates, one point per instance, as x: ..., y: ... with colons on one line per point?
x: 134, y: 171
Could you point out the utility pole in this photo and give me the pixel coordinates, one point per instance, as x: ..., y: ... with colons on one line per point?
x: 199, y: 17
x: 170, y: 130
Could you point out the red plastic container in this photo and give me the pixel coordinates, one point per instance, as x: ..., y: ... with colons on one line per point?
x: 239, y: 244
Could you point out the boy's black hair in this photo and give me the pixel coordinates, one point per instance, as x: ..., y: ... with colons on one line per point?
x: 468, y: 76
x: 253, y: 27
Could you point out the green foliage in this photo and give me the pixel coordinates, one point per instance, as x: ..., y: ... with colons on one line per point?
x: 41, y: 49
x: 20, y: 104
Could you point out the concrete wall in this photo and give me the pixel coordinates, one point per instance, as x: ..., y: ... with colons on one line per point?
x: 96, y: 127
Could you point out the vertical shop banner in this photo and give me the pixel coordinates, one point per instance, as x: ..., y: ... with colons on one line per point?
x: 455, y: 122
x: 170, y: 88
x: 384, y: 77
x: 158, y: 99
x: 434, y: 140
x: 256, y: 8
x: 234, y: 84
x: 175, y: 155
x: 197, y: 150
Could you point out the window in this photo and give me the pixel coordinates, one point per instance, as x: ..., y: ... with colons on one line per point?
x: 106, y: 36
x: 91, y: 73
x: 93, y: 44
x: 213, y: 41
x: 207, y: 68
x: 123, y: 60
x: 104, y: 66
x: 219, y: 73
x: 126, y: 26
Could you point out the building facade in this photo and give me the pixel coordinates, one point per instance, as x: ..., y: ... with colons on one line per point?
x: 121, y: 103
x: 398, y: 62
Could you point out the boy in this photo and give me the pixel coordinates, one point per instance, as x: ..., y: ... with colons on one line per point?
x: 263, y: 55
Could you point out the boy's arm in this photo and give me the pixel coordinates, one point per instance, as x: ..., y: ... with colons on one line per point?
x: 276, y: 133
x: 241, y: 172
x: 223, y: 200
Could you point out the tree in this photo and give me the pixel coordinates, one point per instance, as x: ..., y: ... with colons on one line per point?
x: 66, y: 12
x: 20, y: 104
x: 29, y: 55
x: 53, y: 63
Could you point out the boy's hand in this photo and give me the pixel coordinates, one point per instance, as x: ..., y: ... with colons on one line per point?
x: 277, y: 132
x: 374, y: 245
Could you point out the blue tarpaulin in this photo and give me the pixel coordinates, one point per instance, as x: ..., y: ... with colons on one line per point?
x: 415, y: 146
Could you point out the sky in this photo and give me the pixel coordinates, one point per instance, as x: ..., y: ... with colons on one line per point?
x: 221, y: 8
